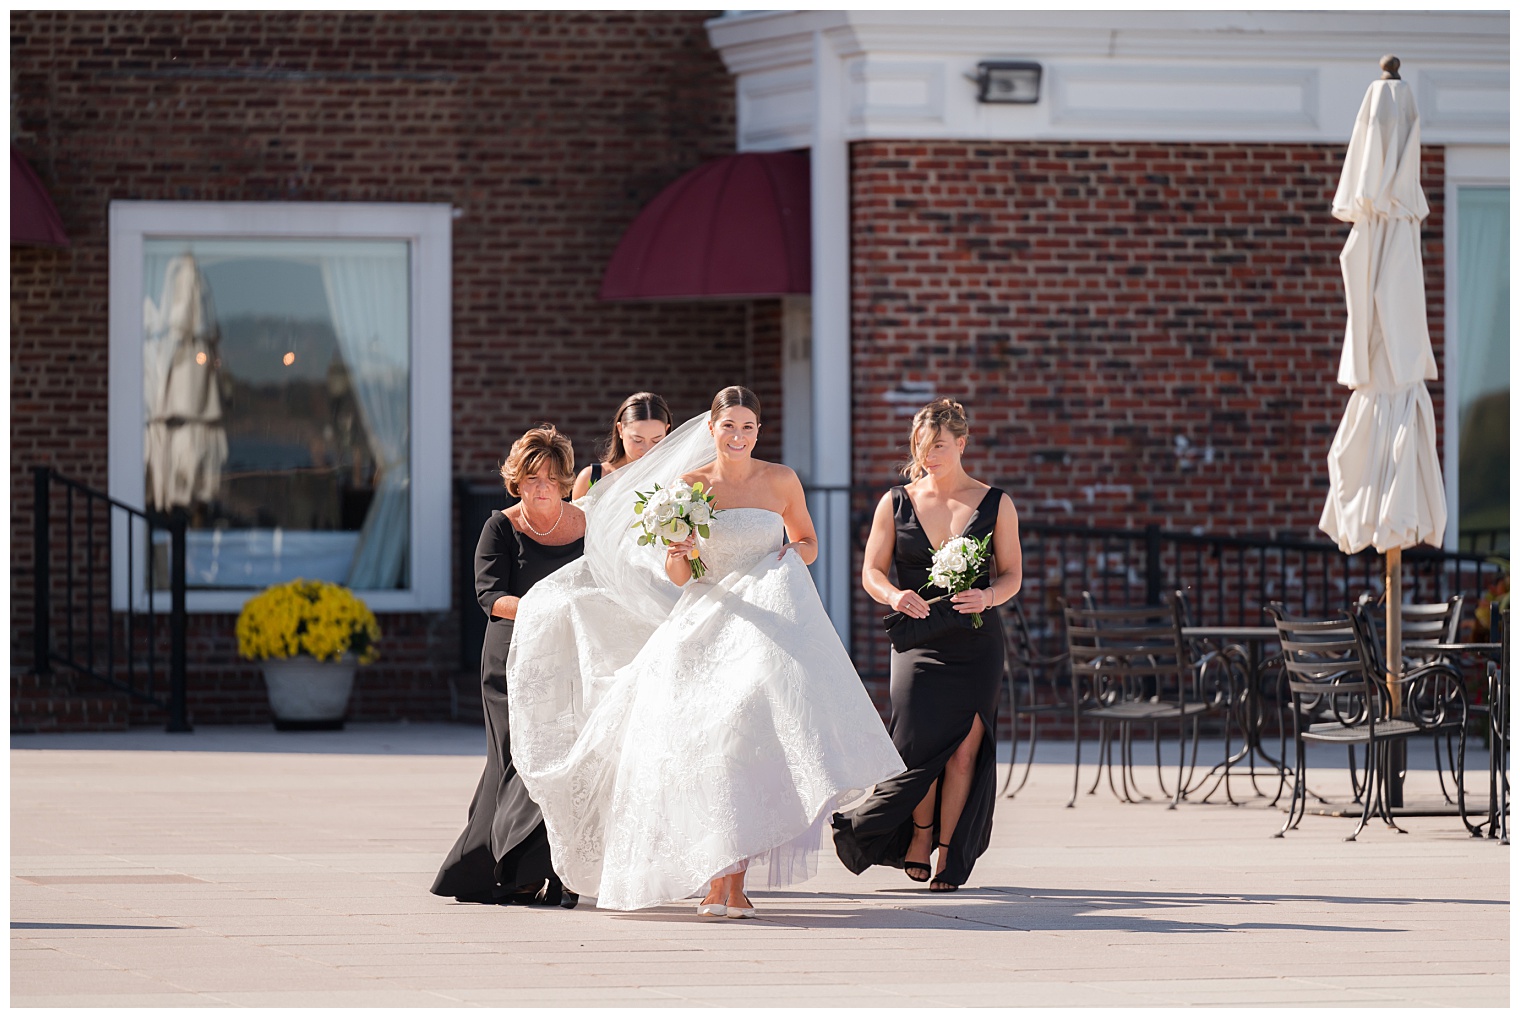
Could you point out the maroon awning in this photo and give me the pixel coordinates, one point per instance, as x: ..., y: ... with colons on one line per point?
x: 34, y: 220
x: 734, y: 227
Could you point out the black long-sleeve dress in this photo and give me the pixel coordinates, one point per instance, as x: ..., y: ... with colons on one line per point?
x: 937, y: 690
x: 503, y: 853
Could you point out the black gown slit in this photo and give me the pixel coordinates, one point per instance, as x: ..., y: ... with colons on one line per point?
x: 937, y: 690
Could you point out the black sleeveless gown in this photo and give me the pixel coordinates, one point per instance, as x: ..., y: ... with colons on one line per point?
x: 937, y: 690
x: 503, y: 854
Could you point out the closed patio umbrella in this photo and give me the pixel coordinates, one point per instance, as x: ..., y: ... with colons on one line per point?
x: 185, y: 445
x: 1385, y: 480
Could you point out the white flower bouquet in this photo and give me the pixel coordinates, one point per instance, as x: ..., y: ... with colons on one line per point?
x: 958, y: 564
x: 673, y: 514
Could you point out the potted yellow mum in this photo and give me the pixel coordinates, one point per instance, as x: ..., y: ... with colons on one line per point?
x: 309, y: 636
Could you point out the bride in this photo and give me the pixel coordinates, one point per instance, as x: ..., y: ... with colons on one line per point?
x: 679, y: 733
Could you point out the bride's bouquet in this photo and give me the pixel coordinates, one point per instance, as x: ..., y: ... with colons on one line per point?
x: 957, y: 565
x: 673, y: 514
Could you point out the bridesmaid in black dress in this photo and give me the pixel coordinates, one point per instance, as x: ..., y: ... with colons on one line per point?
x: 944, y: 692
x: 503, y: 855
x: 640, y: 424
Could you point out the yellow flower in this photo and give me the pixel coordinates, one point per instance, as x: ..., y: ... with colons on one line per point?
x: 311, y: 617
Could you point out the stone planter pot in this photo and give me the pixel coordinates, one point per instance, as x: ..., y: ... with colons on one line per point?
x: 306, y: 694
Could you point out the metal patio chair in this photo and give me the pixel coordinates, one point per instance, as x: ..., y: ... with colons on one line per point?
x: 1335, y: 678
x: 1036, y: 686
x: 1132, y: 666
x: 1437, y: 622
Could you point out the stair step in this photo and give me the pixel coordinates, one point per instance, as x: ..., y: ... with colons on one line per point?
x: 26, y: 681
x: 42, y: 713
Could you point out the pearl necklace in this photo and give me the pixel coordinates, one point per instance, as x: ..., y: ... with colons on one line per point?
x: 543, y: 533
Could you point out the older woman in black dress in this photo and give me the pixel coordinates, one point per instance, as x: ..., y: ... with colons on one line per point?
x: 945, y: 691
x: 503, y: 855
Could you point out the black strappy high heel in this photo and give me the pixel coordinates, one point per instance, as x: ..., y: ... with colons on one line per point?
x: 911, y: 867
x: 948, y: 887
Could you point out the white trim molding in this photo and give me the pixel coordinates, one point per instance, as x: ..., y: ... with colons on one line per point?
x: 833, y: 446
x: 1181, y: 96
x: 428, y: 230
x: 1236, y: 76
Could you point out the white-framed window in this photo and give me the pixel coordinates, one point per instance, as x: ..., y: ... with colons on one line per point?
x: 1477, y: 359
x: 282, y: 372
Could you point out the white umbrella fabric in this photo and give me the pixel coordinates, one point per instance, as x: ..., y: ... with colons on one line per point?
x: 185, y: 445
x: 1385, y: 480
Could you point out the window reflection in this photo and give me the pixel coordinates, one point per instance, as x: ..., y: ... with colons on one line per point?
x: 276, y: 392
x: 1482, y: 383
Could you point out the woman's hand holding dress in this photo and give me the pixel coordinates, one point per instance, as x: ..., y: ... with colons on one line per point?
x: 911, y: 604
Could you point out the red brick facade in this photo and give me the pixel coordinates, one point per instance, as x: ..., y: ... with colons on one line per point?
x: 1141, y: 333
x: 1092, y: 304
x: 549, y: 131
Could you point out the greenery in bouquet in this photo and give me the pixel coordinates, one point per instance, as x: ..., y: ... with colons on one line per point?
x: 673, y: 514
x: 312, y: 617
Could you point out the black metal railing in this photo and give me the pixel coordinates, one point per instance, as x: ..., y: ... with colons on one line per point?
x: 1228, y: 579
x: 137, y: 650
x: 1491, y: 540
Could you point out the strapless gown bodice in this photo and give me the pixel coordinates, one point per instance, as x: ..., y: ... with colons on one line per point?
x: 740, y: 537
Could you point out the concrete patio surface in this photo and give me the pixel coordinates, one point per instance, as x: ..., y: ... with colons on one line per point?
x: 242, y: 866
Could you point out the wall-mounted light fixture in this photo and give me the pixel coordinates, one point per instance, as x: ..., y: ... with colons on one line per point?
x: 1007, y: 81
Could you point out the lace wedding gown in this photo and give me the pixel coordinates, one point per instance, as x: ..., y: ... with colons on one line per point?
x: 670, y: 735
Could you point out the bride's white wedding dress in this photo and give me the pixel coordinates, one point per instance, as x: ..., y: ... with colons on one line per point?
x: 670, y: 735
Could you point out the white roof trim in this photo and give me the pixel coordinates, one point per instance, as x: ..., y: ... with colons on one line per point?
x: 1241, y: 76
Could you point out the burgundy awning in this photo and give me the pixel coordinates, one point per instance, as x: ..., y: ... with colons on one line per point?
x: 33, y: 218
x: 733, y: 227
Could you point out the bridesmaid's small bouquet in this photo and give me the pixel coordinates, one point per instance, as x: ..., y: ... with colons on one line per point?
x: 673, y: 514
x: 958, y: 564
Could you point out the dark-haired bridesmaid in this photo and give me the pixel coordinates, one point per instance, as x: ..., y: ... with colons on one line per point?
x: 640, y: 424
x: 945, y: 691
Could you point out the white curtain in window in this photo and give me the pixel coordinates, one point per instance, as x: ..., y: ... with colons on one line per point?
x: 368, y: 298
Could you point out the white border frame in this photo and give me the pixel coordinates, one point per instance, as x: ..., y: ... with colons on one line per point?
x: 428, y: 228
x: 1466, y: 166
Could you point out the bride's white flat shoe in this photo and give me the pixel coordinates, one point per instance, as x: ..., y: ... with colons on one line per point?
x: 741, y: 913
x: 716, y: 909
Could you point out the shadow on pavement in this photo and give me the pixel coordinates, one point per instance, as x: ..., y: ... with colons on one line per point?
x: 1016, y: 909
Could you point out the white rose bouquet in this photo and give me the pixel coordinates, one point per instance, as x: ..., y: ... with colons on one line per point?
x: 673, y: 514
x: 958, y: 564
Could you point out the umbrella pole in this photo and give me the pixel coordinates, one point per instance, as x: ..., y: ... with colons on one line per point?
x: 1393, y: 588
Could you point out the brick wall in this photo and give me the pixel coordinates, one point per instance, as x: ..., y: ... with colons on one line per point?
x: 548, y: 130
x: 1141, y: 333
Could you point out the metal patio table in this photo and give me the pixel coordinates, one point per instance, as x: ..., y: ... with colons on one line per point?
x: 1250, y: 639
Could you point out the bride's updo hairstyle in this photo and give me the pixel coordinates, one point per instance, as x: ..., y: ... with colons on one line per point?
x: 540, y: 445
x: 732, y: 396
x: 942, y: 415
x: 641, y: 406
